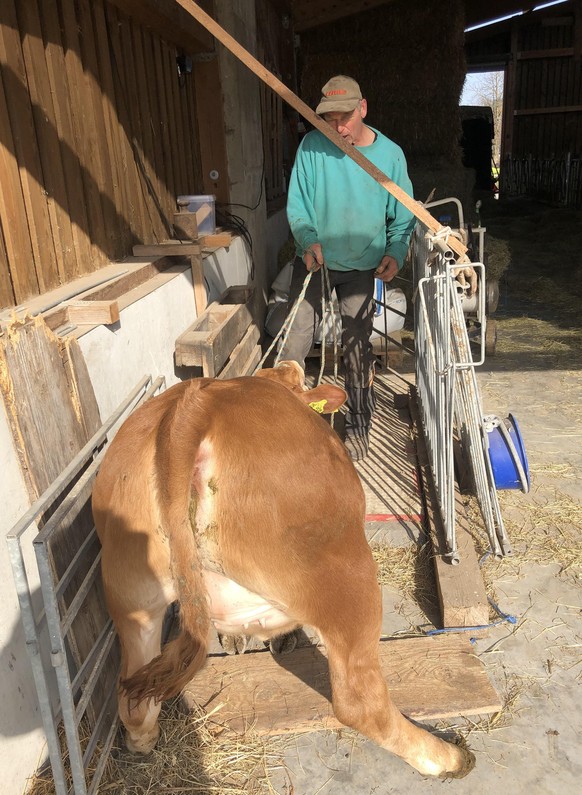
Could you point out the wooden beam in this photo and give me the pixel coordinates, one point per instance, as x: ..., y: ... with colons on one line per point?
x: 200, y: 296
x: 168, y: 248
x: 292, y: 99
x: 93, y: 312
x: 309, y: 14
x: 217, y: 240
x: 541, y: 111
x: 461, y: 591
x: 428, y: 678
x: 509, y: 86
x: 563, y: 52
x: 168, y: 21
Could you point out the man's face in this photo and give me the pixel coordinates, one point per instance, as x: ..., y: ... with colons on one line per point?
x: 349, y: 125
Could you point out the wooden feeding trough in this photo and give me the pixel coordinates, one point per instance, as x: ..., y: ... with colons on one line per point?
x: 223, y: 340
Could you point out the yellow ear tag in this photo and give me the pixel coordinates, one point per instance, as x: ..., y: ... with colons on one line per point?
x: 318, y: 405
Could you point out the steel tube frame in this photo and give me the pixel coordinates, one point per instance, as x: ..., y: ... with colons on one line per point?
x: 447, y: 387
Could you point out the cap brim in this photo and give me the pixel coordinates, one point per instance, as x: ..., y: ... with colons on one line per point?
x: 336, y: 106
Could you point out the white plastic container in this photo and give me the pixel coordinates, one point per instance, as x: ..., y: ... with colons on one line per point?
x: 205, y: 209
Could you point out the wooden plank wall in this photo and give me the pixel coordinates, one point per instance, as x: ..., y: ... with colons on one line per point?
x: 275, y: 51
x: 547, y: 90
x: 98, y: 135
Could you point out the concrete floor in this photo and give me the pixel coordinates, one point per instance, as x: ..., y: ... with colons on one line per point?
x: 533, y: 746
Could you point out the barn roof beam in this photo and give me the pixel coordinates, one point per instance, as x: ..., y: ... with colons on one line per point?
x: 312, y: 13
x: 169, y: 20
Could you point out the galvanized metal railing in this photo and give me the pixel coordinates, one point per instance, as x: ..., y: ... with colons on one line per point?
x: 448, y: 394
x: 70, y: 690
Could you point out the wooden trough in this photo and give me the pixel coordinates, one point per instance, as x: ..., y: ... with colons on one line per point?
x: 223, y: 340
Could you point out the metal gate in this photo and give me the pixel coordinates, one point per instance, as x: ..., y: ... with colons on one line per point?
x: 76, y: 686
x: 449, y: 399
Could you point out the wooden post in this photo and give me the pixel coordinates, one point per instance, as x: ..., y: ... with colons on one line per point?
x: 292, y: 99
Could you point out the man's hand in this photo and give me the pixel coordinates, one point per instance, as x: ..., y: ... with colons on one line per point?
x: 313, y: 257
x: 387, y: 269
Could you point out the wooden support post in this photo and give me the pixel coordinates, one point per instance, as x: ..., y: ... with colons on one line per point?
x: 200, y: 297
x: 461, y: 589
x: 172, y: 248
x: 292, y: 99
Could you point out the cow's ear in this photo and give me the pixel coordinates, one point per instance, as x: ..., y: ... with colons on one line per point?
x: 325, y: 398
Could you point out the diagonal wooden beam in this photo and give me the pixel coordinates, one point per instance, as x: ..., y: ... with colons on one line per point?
x: 301, y: 107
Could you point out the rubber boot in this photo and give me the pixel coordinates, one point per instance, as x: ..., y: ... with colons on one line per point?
x: 361, y: 406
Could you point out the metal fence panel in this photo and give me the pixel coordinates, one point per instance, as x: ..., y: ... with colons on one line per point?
x: 85, y: 682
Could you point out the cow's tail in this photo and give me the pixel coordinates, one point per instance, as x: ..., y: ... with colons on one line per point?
x: 166, y: 675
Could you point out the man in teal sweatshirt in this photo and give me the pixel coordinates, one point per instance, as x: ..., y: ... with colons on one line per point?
x: 342, y: 217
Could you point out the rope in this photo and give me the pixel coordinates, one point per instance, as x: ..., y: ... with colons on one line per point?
x: 286, y: 327
x: 289, y: 320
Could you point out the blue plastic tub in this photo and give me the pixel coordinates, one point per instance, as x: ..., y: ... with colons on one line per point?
x: 507, y: 453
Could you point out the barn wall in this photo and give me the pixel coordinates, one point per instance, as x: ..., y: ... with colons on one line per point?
x: 97, y: 138
x: 408, y: 57
x: 545, y: 90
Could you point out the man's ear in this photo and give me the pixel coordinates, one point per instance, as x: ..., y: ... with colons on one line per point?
x: 324, y: 399
x: 363, y: 108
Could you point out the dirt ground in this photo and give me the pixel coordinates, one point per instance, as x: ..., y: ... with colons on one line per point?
x: 533, y: 744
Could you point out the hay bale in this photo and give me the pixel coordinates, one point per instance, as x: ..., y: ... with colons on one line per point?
x: 498, y: 257
x: 408, y: 57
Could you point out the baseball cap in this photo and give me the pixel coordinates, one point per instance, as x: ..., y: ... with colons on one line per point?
x: 341, y: 94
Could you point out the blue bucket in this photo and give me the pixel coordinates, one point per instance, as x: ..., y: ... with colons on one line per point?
x: 507, y: 453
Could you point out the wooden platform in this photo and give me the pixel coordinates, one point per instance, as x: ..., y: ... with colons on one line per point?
x: 394, y: 506
x: 429, y: 678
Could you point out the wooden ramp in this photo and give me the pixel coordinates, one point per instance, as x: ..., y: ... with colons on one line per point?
x: 436, y: 677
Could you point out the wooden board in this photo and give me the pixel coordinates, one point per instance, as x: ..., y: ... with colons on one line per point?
x: 169, y: 248
x: 210, y: 340
x: 93, y: 312
x: 437, y: 677
x: 52, y: 412
x: 461, y: 590
x: 217, y: 240
x: 238, y: 362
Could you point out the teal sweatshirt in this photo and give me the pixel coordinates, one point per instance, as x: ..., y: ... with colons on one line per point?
x: 333, y: 201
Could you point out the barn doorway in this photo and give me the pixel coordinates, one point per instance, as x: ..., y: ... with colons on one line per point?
x: 481, y: 110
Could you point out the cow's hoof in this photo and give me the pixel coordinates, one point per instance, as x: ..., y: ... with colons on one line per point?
x: 467, y: 764
x: 233, y: 644
x: 284, y: 644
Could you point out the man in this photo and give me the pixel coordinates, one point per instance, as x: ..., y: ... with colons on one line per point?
x: 341, y: 217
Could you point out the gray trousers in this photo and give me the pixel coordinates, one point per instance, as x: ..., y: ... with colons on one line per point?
x: 355, y: 293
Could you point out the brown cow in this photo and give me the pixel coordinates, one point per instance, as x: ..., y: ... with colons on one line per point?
x: 238, y: 501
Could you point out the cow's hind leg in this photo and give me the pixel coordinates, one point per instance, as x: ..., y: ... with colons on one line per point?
x: 350, y: 628
x: 140, y: 638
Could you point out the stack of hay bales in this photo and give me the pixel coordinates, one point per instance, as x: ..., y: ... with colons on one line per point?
x: 408, y: 57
